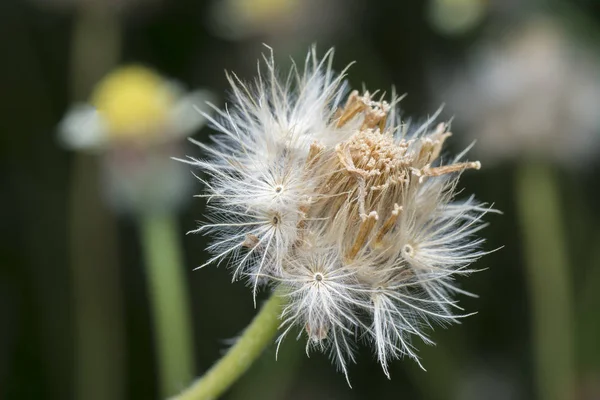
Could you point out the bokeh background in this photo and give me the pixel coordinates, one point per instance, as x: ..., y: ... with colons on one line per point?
x: 522, y: 78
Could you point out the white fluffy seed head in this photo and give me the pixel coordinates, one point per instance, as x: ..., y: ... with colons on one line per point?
x: 337, y: 201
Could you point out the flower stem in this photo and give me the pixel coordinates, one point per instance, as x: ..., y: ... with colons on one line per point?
x: 239, y: 358
x: 168, y: 293
x: 280, y: 373
x: 549, y: 281
x: 99, y: 336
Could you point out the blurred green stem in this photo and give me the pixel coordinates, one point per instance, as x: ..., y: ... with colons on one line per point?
x: 97, y: 290
x: 549, y: 281
x: 238, y: 359
x: 170, y: 302
x: 588, y: 304
x: 280, y: 373
x: 95, y: 47
x: 98, y: 306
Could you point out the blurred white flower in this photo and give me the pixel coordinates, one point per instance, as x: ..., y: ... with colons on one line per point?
x: 136, y: 120
x: 343, y: 205
x: 533, y: 93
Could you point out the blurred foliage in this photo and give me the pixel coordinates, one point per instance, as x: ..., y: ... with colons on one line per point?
x: 395, y: 43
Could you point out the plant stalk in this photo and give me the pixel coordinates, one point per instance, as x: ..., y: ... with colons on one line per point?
x: 549, y: 281
x: 99, y: 348
x: 170, y: 302
x: 240, y: 357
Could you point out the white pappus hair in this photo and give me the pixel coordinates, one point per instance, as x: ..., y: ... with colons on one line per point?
x: 331, y: 197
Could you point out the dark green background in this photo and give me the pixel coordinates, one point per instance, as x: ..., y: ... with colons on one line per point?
x: 394, y: 44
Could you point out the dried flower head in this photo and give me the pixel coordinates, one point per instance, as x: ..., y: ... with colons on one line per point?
x: 338, y: 202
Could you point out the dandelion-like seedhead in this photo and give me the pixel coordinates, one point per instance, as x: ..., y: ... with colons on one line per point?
x: 333, y: 199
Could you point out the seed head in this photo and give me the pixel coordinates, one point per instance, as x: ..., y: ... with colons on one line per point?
x: 337, y: 201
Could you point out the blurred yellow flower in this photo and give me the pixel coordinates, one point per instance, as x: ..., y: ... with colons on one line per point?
x: 275, y: 21
x: 132, y: 103
x: 136, y: 120
x: 239, y: 18
x: 263, y: 10
x: 455, y: 17
x: 133, y: 100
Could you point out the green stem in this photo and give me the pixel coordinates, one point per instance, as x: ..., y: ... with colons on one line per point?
x: 588, y: 304
x: 239, y: 358
x: 99, y: 353
x: 280, y: 373
x: 549, y: 281
x: 169, y: 297
x: 98, y: 301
